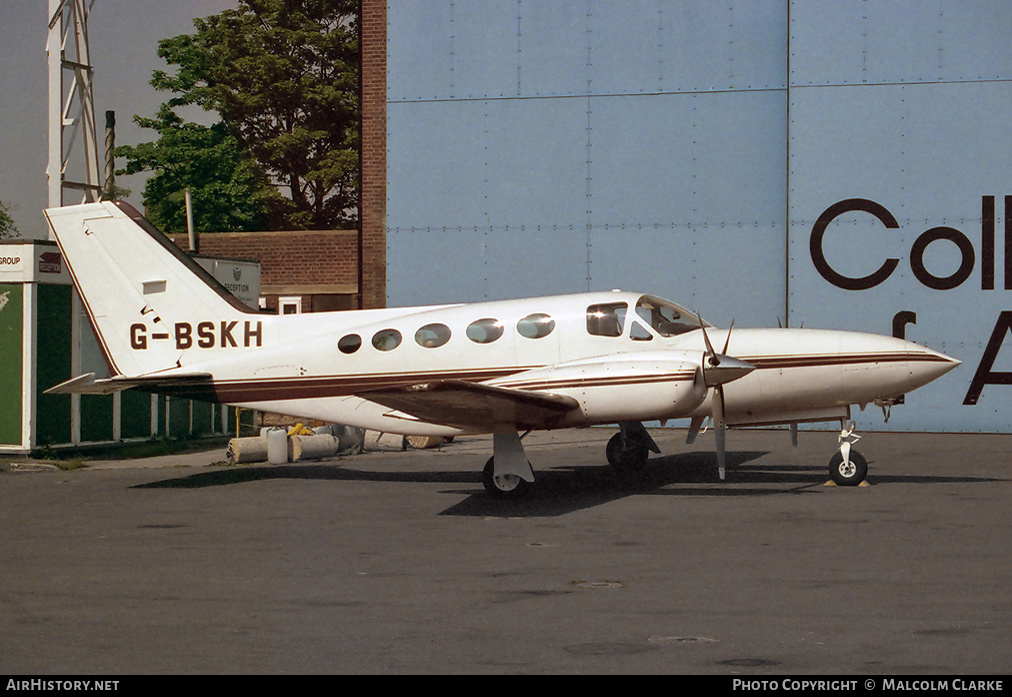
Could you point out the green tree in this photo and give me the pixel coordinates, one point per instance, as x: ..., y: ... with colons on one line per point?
x: 283, y: 76
x: 7, y: 226
x: 227, y: 189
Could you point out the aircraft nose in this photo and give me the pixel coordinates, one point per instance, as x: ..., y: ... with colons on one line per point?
x: 923, y: 364
x: 934, y: 364
x: 719, y: 369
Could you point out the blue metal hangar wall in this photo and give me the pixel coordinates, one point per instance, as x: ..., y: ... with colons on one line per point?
x: 840, y: 164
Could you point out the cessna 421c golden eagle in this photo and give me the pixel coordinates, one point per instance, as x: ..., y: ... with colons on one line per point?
x: 166, y: 326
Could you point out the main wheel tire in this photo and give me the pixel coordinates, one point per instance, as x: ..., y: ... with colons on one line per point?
x: 503, y: 486
x: 626, y: 454
x: 844, y: 474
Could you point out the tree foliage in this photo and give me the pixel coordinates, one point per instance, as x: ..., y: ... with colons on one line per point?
x: 283, y: 76
x: 7, y: 226
x: 228, y: 190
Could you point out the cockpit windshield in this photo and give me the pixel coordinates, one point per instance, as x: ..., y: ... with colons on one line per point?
x: 666, y: 318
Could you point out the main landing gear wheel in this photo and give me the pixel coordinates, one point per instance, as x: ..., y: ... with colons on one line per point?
x: 625, y: 454
x: 503, y: 486
x: 849, y: 473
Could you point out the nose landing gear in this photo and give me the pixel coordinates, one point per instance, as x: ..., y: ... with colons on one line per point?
x: 848, y: 467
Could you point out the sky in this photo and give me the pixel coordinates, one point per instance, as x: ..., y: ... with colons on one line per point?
x: 124, y: 37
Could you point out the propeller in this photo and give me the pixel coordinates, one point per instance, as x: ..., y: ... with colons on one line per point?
x: 718, y: 369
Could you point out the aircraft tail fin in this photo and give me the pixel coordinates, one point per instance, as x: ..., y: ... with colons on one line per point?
x: 144, y: 296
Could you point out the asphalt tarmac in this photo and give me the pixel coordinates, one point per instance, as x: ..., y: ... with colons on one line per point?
x: 399, y: 562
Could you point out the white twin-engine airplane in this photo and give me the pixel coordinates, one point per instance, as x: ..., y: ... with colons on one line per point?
x: 166, y: 326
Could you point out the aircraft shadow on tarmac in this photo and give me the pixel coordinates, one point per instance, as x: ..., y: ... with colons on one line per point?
x: 563, y: 489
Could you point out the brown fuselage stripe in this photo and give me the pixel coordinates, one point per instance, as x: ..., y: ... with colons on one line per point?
x: 829, y: 359
x: 579, y: 383
x: 265, y: 390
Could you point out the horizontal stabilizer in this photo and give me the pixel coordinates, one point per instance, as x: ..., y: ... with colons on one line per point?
x: 470, y: 405
x: 89, y: 384
x: 85, y: 384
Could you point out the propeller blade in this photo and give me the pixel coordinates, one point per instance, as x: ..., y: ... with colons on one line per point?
x: 694, y: 425
x: 719, y: 428
x: 718, y: 368
x: 720, y: 435
x: 727, y: 341
x: 711, y: 354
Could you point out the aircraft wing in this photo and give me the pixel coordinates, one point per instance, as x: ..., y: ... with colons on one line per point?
x: 467, y: 405
x: 89, y: 384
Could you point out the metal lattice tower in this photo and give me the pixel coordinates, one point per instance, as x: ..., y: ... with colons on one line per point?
x: 73, y: 143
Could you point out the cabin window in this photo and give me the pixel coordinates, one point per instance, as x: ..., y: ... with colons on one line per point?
x: 536, y: 325
x: 484, y: 331
x: 432, y: 335
x: 606, y: 319
x: 665, y: 318
x: 386, y: 339
x: 350, y: 343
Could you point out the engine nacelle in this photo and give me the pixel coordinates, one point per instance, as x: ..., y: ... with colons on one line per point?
x: 625, y: 387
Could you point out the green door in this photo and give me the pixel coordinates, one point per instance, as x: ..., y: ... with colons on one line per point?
x: 11, y: 362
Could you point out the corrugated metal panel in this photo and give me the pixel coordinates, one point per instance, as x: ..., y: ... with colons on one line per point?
x: 446, y: 265
x: 857, y: 42
x: 475, y: 49
x: 901, y: 106
x: 487, y: 163
x: 420, y: 59
x: 688, y: 191
x: 558, y: 145
x: 707, y: 160
x: 557, y: 126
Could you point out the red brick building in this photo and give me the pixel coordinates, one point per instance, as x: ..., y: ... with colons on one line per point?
x: 317, y: 270
x: 373, y: 154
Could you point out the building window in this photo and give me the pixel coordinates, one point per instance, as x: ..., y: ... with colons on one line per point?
x: 290, y: 305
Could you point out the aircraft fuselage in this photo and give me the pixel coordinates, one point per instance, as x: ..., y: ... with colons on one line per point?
x: 287, y: 364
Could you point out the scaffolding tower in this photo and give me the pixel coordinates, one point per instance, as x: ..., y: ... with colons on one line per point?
x: 71, y: 105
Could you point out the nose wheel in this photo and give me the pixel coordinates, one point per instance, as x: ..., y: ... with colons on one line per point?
x: 848, y: 467
x: 850, y: 472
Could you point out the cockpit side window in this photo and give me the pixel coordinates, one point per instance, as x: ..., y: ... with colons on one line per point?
x: 606, y: 319
x: 639, y: 332
x: 665, y: 318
